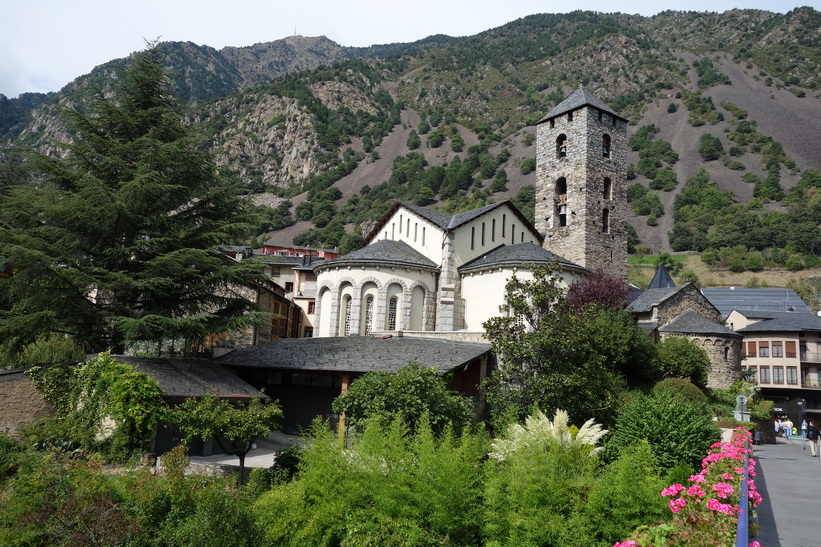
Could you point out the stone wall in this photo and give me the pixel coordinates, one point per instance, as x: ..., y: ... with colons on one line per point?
x: 20, y: 403
x: 688, y: 298
x: 725, y: 358
x: 586, y: 238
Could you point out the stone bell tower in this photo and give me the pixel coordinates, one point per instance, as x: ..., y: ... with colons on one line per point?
x: 581, y: 195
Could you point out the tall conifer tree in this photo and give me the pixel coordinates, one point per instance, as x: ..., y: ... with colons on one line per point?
x: 118, y: 240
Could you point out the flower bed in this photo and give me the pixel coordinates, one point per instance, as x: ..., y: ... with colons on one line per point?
x: 707, y: 509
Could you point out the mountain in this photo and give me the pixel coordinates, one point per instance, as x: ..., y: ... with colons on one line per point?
x: 326, y: 136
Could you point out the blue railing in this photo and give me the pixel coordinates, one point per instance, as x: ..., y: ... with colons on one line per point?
x: 742, y: 534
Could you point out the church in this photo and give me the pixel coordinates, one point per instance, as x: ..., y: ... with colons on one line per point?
x: 432, y: 274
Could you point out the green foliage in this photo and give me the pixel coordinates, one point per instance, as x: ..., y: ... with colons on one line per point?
x: 528, y: 166
x: 87, y: 396
x: 710, y: 148
x: 677, y: 429
x: 413, y: 140
x: 551, y: 355
x: 12, y: 455
x: 46, y: 349
x: 115, y: 218
x: 644, y: 202
x: 625, y: 496
x: 235, y: 426
x: 531, y: 494
x: 681, y: 387
x: 680, y: 357
x: 389, y: 487
x: 409, y: 394
x: 708, y: 75
x: 525, y: 201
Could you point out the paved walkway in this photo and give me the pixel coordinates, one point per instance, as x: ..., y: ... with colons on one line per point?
x: 789, y: 480
x: 262, y: 456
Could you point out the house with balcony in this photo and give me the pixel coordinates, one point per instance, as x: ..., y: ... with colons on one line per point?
x: 782, y: 354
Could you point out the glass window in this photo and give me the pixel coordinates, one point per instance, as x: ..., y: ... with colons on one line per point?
x: 792, y: 375
x: 392, y: 313
x: 777, y: 349
x: 369, y: 315
x: 764, y: 375
x: 763, y: 350
x: 301, y: 378
x: 778, y: 375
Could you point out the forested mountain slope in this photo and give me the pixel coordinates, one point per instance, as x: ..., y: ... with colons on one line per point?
x: 328, y: 137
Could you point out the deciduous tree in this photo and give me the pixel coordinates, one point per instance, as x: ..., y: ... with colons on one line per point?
x: 234, y: 426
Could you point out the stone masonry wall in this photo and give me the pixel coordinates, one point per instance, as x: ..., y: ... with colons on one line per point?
x: 688, y: 298
x: 584, y: 239
x: 20, y: 404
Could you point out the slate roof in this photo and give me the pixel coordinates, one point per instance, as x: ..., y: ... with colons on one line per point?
x: 726, y: 300
x: 448, y: 222
x: 690, y: 322
x: 191, y: 377
x: 521, y: 253
x: 785, y: 321
x: 579, y: 98
x: 356, y: 354
x: 662, y: 279
x: 437, y: 217
x: 384, y: 251
x: 651, y: 297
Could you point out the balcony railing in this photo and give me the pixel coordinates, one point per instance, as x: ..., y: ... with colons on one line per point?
x: 809, y: 357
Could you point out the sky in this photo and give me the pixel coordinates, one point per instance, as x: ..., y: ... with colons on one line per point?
x: 45, y: 44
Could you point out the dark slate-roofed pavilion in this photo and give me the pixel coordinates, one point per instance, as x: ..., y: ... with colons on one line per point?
x: 307, y: 374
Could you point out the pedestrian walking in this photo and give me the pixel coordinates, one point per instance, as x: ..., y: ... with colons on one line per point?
x: 812, y: 437
x: 804, y: 429
x: 788, y: 428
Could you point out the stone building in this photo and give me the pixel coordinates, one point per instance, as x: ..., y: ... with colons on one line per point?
x: 425, y: 271
x: 581, y: 200
x: 667, y: 310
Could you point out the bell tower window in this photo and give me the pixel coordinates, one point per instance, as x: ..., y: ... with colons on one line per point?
x: 605, y: 146
x: 605, y: 221
x: 561, y: 146
x: 560, y: 200
x: 607, y: 190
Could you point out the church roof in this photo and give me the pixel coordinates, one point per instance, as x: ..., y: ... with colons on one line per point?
x: 517, y: 255
x: 579, y: 98
x: 447, y: 221
x: 690, y: 322
x: 356, y: 354
x: 650, y: 298
x: 662, y: 279
x: 384, y: 251
x: 781, y: 321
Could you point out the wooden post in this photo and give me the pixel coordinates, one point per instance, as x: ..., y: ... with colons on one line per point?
x: 346, y: 381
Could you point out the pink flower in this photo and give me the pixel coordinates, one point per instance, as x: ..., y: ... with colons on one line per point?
x: 715, y: 505
x: 696, y: 478
x: 672, y: 490
x: 728, y: 476
x: 723, y: 489
x: 677, y: 505
x: 696, y: 490
x: 628, y: 543
x: 755, y: 544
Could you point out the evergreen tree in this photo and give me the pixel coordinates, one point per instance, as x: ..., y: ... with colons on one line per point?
x: 118, y: 240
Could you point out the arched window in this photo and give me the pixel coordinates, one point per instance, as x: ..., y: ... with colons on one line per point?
x: 346, y: 324
x: 368, y: 314
x: 605, y: 146
x: 605, y: 221
x: 560, y: 203
x: 392, y: 305
x: 607, y: 189
x: 726, y: 353
x: 561, y: 146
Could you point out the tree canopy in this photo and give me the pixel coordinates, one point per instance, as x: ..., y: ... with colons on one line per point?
x: 553, y: 355
x: 118, y: 239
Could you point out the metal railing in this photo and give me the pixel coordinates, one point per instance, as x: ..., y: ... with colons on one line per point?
x: 742, y: 534
x: 809, y: 357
